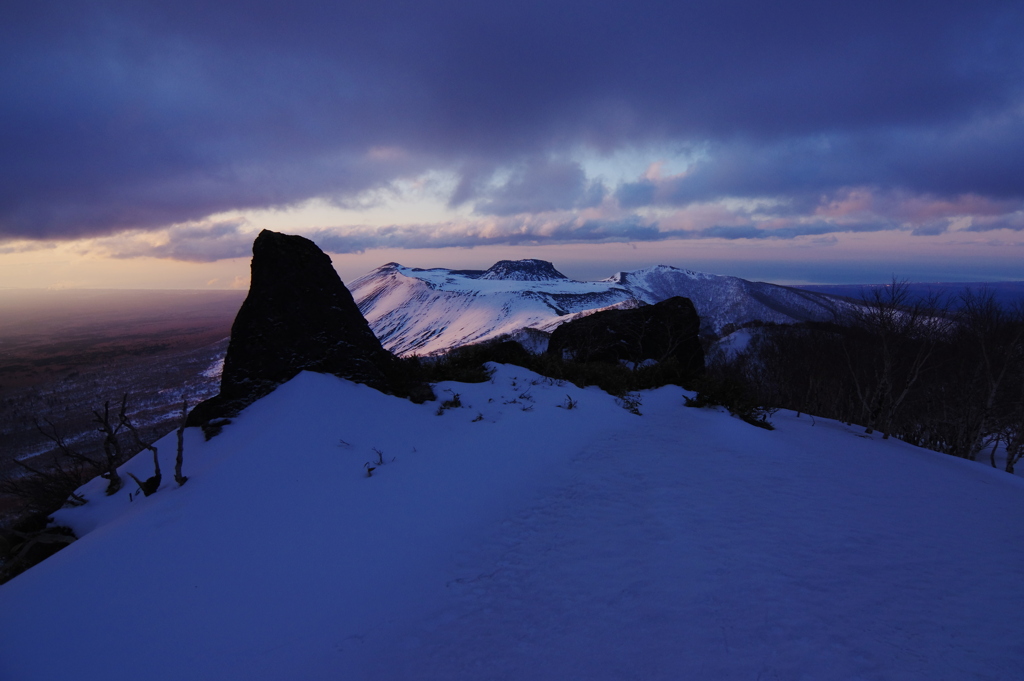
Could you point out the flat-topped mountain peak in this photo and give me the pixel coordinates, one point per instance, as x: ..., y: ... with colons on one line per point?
x: 530, y: 269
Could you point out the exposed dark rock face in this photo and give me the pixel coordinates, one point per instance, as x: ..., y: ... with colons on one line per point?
x: 523, y: 270
x: 660, y: 332
x: 298, y: 316
x: 509, y: 352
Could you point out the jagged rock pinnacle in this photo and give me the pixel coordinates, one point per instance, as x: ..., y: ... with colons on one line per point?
x: 298, y: 316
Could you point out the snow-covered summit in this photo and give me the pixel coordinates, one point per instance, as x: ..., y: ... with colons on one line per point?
x: 654, y: 271
x: 523, y: 270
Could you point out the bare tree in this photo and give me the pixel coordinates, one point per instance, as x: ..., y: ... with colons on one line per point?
x: 1012, y: 434
x: 953, y: 382
x: 993, y: 337
x: 46, y: 488
x: 1010, y: 403
x: 178, y: 477
x: 795, y: 366
x: 113, y: 456
x: 887, y: 358
x: 152, y: 484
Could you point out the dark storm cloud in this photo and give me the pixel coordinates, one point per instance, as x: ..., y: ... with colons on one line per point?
x: 117, y: 115
x: 520, y: 231
x: 534, y: 186
x: 984, y: 157
x: 791, y: 232
x: 510, y: 231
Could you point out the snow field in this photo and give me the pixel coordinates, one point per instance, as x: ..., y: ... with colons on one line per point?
x: 542, y: 543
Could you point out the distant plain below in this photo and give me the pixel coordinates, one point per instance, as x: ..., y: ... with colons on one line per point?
x: 64, y: 353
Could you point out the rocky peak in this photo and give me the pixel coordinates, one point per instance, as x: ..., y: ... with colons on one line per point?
x: 523, y: 270
x: 661, y: 332
x: 298, y: 316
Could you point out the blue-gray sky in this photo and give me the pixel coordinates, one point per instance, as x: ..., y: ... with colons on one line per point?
x: 167, y: 129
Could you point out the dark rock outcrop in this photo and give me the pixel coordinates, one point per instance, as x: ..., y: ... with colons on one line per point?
x: 508, y: 352
x: 298, y: 316
x: 661, y: 332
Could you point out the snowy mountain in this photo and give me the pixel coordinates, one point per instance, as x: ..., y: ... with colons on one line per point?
x: 416, y: 311
x: 515, y: 538
x: 523, y: 270
x: 722, y: 301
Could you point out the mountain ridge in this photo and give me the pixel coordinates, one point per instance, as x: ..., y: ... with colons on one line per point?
x: 425, y: 311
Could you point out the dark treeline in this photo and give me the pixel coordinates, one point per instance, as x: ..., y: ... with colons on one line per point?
x: 946, y: 377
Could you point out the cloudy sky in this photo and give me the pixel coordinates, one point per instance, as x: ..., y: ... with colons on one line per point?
x: 145, y: 143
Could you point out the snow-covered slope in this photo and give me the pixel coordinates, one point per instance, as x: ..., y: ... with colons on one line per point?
x: 513, y: 538
x: 721, y: 300
x: 416, y: 311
